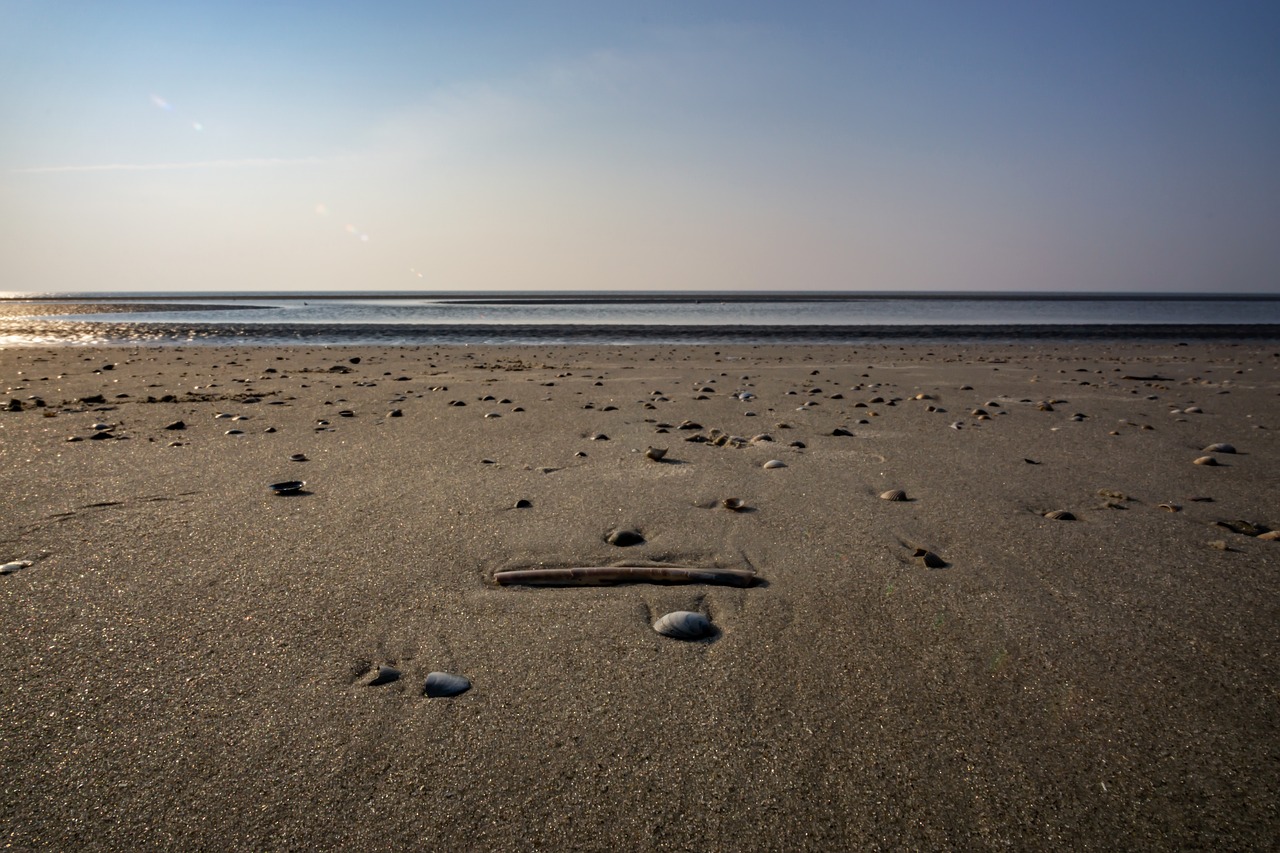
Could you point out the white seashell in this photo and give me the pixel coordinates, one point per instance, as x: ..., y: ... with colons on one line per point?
x: 774, y: 463
x: 684, y: 625
x: 446, y: 684
x: 14, y: 566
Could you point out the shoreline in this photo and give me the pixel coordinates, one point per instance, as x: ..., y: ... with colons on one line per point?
x: 34, y: 333
x: 188, y: 661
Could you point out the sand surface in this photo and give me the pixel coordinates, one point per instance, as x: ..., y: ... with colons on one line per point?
x: 185, y: 663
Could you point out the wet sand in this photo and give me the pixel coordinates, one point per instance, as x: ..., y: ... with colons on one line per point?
x: 185, y: 662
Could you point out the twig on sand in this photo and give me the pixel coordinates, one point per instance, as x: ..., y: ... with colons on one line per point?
x: 599, y: 575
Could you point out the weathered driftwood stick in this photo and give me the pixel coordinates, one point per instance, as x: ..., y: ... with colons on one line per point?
x: 599, y: 575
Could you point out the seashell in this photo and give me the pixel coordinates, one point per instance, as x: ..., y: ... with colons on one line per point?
x: 922, y: 397
x: 1193, y: 410
x: 385, y: 675
x: 222, y: 415
x: 287, y: 487
x: 1059, y: 515
x: 624, y: 538
x: 1244, y: 528
x: 774, y: 463
x: 1045, y: 407
x: 893, y: 495
x: 234, y: 432
x: 599, y: 437
x: 524, y: 503
x: 1220, y: 448
x: 684, y: 625
x: 1206, y: 460
x: 929, y: 559
x: 977, y: 413
x: 655, y: 453
x: 841, y: 431
x: 1170, y: 507
x: 346, y: 413
x: 735, y: 504
x: 14, y: 566
x: 299, y: 457
x: 1270, y: 536
x: 446, y: 684
x: 100, y: 436
x: 492, y: 415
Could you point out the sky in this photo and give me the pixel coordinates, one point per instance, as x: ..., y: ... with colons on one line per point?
x: 900, y: 145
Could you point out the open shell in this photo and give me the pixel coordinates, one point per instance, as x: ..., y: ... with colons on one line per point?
x: 446, y: 684
x: 1059, y: 515
x: 684, y: 625
x: 929, y: 559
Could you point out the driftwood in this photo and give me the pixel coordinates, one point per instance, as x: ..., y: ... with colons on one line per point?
x: 601, y: 575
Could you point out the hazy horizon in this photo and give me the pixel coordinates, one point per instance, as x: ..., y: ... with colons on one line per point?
x: 568, y: 146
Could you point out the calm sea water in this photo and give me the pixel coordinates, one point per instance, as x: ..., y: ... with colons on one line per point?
x: 362, y: 318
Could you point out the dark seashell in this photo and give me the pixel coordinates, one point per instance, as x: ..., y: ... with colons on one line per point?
x: 395, y: 413
x: 624, y: 538
x: 1220, y: 448
x: 287, y: 487
x: 684, y: 625
x: 446, y: 684
x: 385, y: 675
x: 99, y: 436
x: 1244, y: 528
x: 841, y: 431
x: 735, y: 504
x: 1059, y: 515
x: 929, y: 559
x: 298, y: 457
x: 893, y: 495
x: 176, y: 425
x: 524, y: 503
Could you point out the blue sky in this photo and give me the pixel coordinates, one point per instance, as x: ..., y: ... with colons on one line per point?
x: 698, y: 145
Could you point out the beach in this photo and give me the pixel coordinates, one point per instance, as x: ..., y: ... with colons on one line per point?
x: 187, y: 658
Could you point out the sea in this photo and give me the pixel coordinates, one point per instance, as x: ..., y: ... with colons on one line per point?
x: 620, y: 318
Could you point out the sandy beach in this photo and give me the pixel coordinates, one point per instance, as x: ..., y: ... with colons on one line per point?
x: 186, y: 660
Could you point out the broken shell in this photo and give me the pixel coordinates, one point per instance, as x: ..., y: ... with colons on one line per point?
x: 1220, y: 448
x: 1206, y: 460
x: 1170, y: 507
x: 446, y: 684
x: 929, y: 559
x: 1059, y: 515
x: 893, y: 495
x: 684, y: 625
x: 774, y: 463
x: 655, y: 453
x: 385, y: 675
